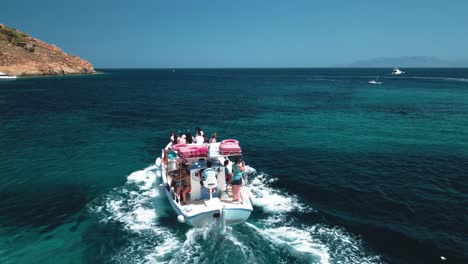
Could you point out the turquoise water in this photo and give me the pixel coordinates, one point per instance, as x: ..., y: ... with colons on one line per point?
x: 341, y: 171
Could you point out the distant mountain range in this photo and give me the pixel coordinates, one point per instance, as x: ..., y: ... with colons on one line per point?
x: 408, y: 61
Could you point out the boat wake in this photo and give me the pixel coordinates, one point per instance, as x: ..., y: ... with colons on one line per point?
x: 317, y: 243
x: 449, y: 79
x: 347, y: 78
x: 273, y: 234
x: 137, y: 207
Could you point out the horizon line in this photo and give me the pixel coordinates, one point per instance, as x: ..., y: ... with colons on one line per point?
x: 253, y: 68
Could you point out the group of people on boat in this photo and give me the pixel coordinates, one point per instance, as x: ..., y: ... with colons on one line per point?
x: 182, y: 183
x: 181, y: 178
x: 187, y: 138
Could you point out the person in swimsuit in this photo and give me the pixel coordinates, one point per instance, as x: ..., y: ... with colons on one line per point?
x: 182, y: 184
x: 213, y: 138
x: 237, y: 169
x: 186, y: 185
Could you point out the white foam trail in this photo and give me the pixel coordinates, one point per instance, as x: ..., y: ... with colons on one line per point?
x: 388, y: 76
x: 318, y: 244
x: 164, y: 253
x: 192, y: 244
x: 250, y: 170
x: 132, y: 204
x: 450, y: 79
x: 138, y: 205
x: 157, y: 247
x: 345, y: 247
x: 145, y: 178
x: 213, y: 244
x: 272, y: 200
x: 311, y: 244
x: 298, y: 241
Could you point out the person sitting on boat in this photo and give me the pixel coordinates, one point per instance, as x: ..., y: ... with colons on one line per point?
x: 183, y: 185
x: 213, y: 138
x: 207, y: 176
x: 237, y: 170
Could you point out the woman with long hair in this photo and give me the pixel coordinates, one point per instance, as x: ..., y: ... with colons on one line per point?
x: 237, y: 169
x: 183, y: 185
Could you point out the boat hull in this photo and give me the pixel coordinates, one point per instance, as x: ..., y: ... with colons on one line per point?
x: 226, y: 215
x: 234, y: 216
x: 7, y: 78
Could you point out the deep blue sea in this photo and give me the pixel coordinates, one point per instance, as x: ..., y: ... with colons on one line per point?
x: 340, y: 171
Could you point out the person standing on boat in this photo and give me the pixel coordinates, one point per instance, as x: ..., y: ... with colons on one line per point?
x: 178, y: 184
x: 182, y: 140
x: 213, y: 137
x: 173, y: 138
x: 237, y: 169
x: 199, y: 131
x: 189, y: 137
x: 199, y: 139
x: 179, y: 138
x: 184, y: 186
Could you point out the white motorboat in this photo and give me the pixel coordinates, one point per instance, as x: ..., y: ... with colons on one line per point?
x: 376, y: 81
x: 4, y: 76
x: 397, y: 71
x: 201, y: 209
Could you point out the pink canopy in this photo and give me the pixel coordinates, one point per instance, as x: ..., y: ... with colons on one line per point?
x: 176, y: 147
x: 193, y: 151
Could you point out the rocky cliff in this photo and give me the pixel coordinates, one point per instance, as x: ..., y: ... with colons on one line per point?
x: 21, y: 54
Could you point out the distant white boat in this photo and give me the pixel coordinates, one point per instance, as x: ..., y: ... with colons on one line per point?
x: 4, y: 76
x: 397, y: 71
x: 376, y: 81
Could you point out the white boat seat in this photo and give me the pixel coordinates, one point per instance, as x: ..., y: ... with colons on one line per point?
x: 209, y: 180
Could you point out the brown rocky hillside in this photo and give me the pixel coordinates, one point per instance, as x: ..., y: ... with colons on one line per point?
x: 21, y: 54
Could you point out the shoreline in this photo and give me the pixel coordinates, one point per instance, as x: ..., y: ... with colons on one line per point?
x: 23, y: 77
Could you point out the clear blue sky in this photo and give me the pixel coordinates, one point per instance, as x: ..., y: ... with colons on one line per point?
x: 243, y: 33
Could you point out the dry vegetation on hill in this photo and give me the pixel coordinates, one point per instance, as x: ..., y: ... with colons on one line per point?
x: 21, y: 54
